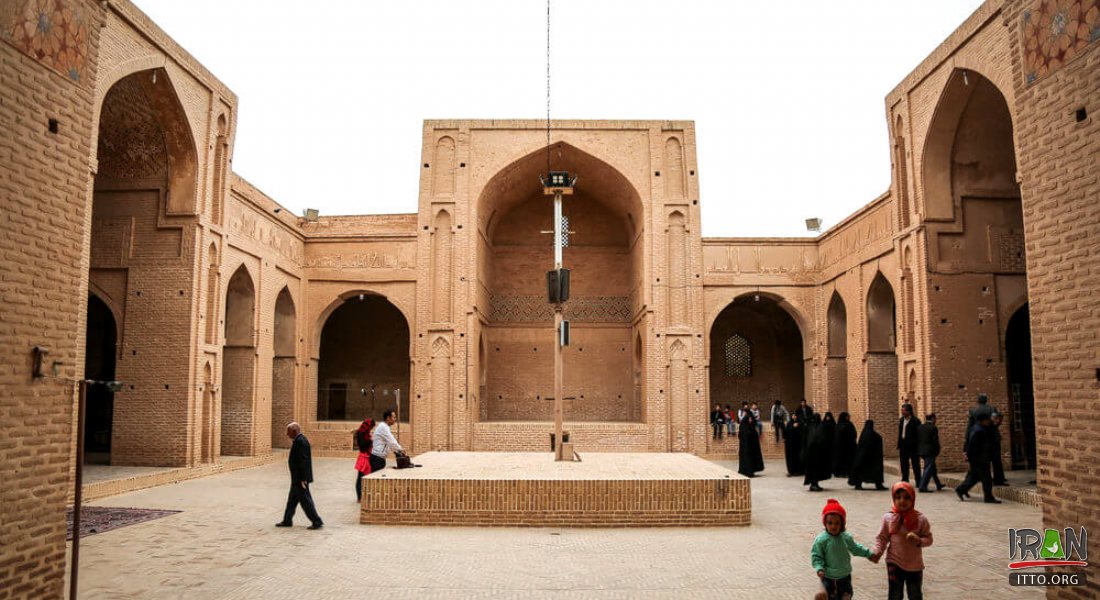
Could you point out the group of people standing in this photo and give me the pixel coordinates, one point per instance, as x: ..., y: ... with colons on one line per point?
x: 820, y: 447
x: 750, y: 456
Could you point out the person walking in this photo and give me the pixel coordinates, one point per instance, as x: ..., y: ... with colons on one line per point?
x: 815, y: 454
x: 828, y: 425
x: 908, y: 425
x: 750, y: 460
x: 300, y: 461
x: 904, y: 532
x: 867, y: 465
x: 998, y: 462
x: 364, y: 443
x: 845, y: 447
x: 832, y: 551
x: 384, y: 442
x: 980, y: 456
x: 928, y: 447
x: 981, y: 408
x: 793, y: 436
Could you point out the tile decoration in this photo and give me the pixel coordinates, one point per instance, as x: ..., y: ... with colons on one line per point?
x: 1055, y: 32
x: 53, y: 32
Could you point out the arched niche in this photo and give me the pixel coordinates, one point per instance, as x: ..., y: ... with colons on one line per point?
x: 901, y: 172
x: 363, y: 360
x: 881, y: 316
x: 881, y: 361
x: 286, y: 335
x: 969, y: 150
x: 605, y: 258
x: 283, y: 367
x: 238, y: 408
x: 837, y: 320
x: 756, y: 354
x: 144, y: 135
x: 240, y: 309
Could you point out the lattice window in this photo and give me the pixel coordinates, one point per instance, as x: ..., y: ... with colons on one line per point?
x: 738, y: 357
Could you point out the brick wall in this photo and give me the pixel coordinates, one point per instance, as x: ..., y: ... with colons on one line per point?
x: 282, y: 399
x: 882, y: 397
x: 1060, y: 183
x: 45, y: 185
x: 535, y: 436
x: 238, y: 411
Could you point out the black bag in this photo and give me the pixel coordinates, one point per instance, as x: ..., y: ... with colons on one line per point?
x: 404, y: 462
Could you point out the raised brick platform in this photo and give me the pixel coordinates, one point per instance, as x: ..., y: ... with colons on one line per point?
x: 530, y: 489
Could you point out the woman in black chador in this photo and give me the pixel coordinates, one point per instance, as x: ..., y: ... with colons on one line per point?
x: 792, y: 445
x: 749, y: 458
x: 815, y: 455
x: 845, y: 448
x: 829, y: 423
x: 867, y: 465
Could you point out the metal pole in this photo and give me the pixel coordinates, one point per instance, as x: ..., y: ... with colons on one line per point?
x: 558, y: 408
x: 82, y: 385
x: 558, y: 391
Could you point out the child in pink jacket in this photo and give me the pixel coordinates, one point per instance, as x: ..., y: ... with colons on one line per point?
x: 904, y: 532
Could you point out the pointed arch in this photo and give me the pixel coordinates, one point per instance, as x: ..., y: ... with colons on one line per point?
x: 837, y: 320
x: 881, y: 316
x: 166, y: 132
x: 948, y: 168
x: 240, y: 309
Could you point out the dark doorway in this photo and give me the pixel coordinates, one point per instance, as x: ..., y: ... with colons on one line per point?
x: 99, y: 365
x: 364, y: 361
x: 1020, y: 391
x: 756, y: 355
x: 337, y: 401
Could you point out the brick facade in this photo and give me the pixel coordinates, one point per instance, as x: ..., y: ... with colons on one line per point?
x: 133, y: 200
x: 44, y: 182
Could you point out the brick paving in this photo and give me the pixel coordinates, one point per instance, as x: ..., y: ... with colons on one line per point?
x: 224, y: 545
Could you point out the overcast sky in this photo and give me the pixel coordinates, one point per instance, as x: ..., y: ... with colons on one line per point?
x: 787, y: 98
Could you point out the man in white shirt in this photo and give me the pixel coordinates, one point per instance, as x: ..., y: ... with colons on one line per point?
x: 384, y: 442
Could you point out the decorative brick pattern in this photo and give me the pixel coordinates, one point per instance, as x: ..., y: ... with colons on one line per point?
x: 535, y: 309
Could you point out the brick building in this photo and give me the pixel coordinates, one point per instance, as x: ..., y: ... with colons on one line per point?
x: 131, y: 251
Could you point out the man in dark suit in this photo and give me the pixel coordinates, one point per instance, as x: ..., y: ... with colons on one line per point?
x: 908, y: 426
x: 301, y: 475
x: 979, y: 453
x: 928, y: 447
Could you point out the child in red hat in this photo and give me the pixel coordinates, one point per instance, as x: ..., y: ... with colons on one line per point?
x: 904, y: 532
x: 831, y: 554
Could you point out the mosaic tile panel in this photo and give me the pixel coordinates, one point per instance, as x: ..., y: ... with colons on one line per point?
x: 1055, y: 32
x: 53, y: 32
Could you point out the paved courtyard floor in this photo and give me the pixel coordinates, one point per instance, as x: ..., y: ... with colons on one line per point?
x: 224, y: 545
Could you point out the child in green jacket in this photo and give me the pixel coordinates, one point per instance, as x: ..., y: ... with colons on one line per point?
x: 831, y: 554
